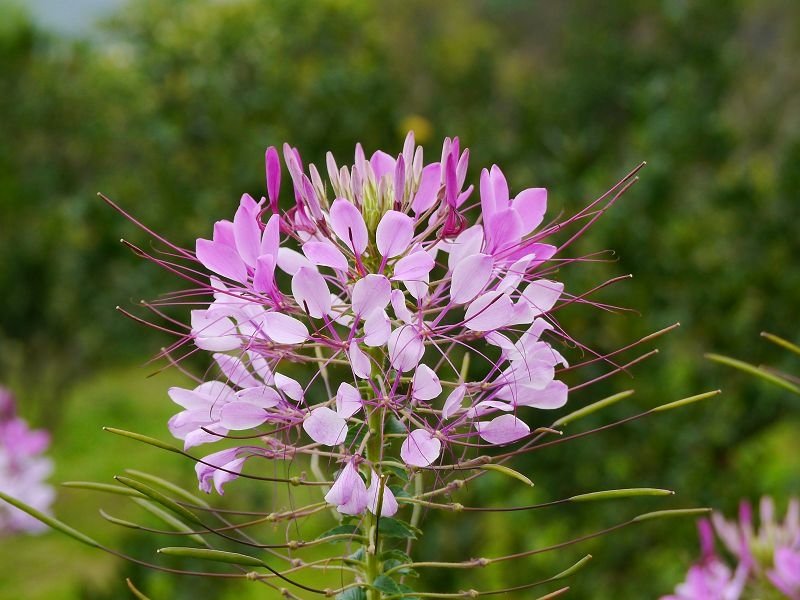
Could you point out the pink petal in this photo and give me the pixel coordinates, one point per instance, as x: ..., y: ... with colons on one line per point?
x: 453, y: 402
x: 388, y: 502
x: 223, y: 234
x: 515, y: 273
x: 502, y: 430
x: 371, y: 293
x: 488, y: 406
x: 246, y: 231
x: 543, y: 252
x: 325, y: 254
x: 273, y: 168
x: 290, y: 261
x: 405, y: 348
x: 235, y: 370
x: 348, y: 224
x: 503, y: 230
x: 428, y: 190
x: 420, y: 448
x: 208, y: 468
x: 551, y: 397
x: 289, y: 386
x: 542, y: 295
x: 489, y: 311
x: 262, y: 396
x: 467, y: 243
x: 348, y: 400
x: 394, y: 233
x: 426, y: 385
x: 221, y: 259
x: 270, y: 238
x: 242, y: 415
x: 414, y: 267
x: 348, y: 493
x: 488, y: 205
x: 359, y: 362
x: 470, y: 277
x: 377, y: 329
x: 324, y: 426
x: 214, y: 333
x: 401, y: 311
x: 381, y: 164
x: 531, y: 204
x: 311, y: 292
x: 418, y: 289
x: 264, y: 276
x: 499, y: 186
x: 284, y: 329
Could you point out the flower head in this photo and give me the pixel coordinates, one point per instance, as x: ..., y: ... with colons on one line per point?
x: 23, y: 469
x: 377, y: 279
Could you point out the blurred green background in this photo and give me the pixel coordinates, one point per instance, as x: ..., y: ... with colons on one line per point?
x: 167, y: 107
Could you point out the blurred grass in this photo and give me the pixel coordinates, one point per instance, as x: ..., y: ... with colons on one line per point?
x: 54, y: 566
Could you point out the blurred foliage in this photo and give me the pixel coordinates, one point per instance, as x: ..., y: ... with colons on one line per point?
x: 169, y: 106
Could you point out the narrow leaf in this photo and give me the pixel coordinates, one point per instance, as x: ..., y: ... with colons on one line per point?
x: 781, y: 342
x: 753, y: 370
x: 233, y: 558
x: 50, y: 521
x: 145, y: 439
x: 160, y: 498
x: 623, y: 493
x: 169, y: 486
x: 102, y: 487
x: 576, y: 567
x: 174, y: 522
x: 592, y: 408
x: 508, y: 471
x: 666, y: 514
x: 687, y: 401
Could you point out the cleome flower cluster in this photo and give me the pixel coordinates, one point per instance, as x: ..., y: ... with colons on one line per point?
x: 23, y: 469
x: 767, y: 559
x: 378, y: 279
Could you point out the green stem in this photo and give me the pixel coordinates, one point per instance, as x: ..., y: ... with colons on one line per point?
x: 373, y: 454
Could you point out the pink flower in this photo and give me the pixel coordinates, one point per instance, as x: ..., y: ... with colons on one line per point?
x: 374, y: 278
x: 23, y: 469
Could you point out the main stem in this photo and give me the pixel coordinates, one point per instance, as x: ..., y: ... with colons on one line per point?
x: 373, y: 454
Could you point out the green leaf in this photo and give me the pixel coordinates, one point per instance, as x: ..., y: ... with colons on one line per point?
x: 395, y: 528
x: 622, y: 493
x: 398, y: 472
x: 666, y: 514
x: 399, y: 491
x: 689, y: 400
x: 394, y: 425
x: 160, y: 498
x: 399, y: 568
x: 394, y: 554
x: 352, y: 594
x: 592, y: 408
x: 232, y: 558
x: 509, y: 472
x: 145, y: 440
x: 404, y: 589
x: 340, y: 530
x: 102, y: 487
x: 386, y: 584
x: 360, y: 555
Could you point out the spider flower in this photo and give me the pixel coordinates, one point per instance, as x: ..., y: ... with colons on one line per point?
x: 767, y: 559
x: 23, y: 469
x: 379, y: 277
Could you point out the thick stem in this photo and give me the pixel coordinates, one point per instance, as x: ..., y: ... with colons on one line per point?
x: 374, y: 451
